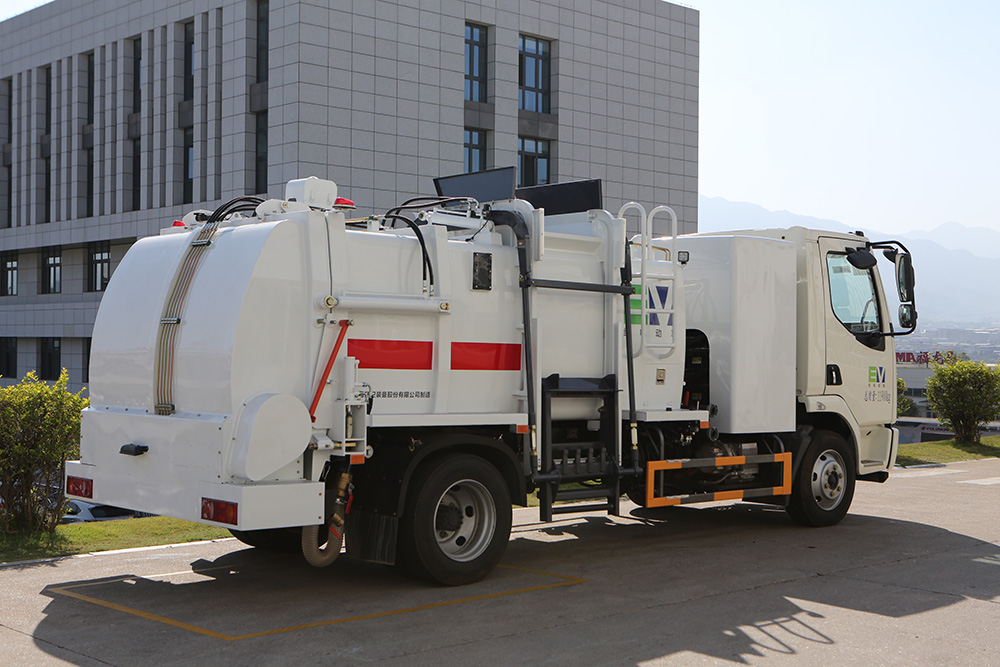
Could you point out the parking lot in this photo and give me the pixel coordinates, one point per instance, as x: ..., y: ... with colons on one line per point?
x: 911, y: 576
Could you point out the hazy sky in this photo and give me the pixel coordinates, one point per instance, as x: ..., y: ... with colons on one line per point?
x: 881, y: 114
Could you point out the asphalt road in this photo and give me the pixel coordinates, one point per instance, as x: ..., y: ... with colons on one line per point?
x: 911, y: 576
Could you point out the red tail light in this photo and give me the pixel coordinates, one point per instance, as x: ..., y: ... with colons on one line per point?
x: 221, y: 511
x: 80, y: 486
x: 178, y: 223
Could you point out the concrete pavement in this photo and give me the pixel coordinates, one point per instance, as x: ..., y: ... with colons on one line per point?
x: 912, y: 575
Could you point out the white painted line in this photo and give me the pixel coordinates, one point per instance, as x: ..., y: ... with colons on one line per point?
x: 989, y: 481
x: 925, y: 472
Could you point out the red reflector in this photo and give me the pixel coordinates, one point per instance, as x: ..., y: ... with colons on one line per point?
x: 79, y: 486
x: 178, y: 223
x: 220, y: 511
x: 341, y: 201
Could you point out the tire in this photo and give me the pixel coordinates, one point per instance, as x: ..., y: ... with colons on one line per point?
x: 284, y: 540
x: 457, y: 521
x: 823, y: 487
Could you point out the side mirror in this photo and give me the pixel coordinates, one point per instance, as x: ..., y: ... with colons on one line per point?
x: 862, y: 259
x: 904, y: 278
x: 907, y: 315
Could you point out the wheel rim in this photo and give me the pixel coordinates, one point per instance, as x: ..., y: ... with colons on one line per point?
x: 465, y: 520
x: 828, y: 477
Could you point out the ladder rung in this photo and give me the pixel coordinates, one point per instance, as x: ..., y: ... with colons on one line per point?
x: 573, y: 509
x: 584, y: 494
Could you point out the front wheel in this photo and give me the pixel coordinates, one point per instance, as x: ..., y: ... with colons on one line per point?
x: 824, y: 484
x: 457, y: 522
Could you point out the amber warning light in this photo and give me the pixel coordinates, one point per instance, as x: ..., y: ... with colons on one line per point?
x: 220, y: 511
x: 80, y: 486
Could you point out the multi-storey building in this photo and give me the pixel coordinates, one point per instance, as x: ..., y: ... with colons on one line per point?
x: 117, y: 116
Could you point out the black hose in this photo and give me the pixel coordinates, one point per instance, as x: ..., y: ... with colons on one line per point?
x: 406, y: 206
x: 428, y: 269
x: 231, y: 206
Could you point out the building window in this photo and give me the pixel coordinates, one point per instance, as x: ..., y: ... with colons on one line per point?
x: 46, y: 213
x: 8, y: 273
x: 263, y: 36
x: 90, y: 88
x: 49, y: 362
x: 8, y: 357
x: 475, y: 62
x: 98, y: 265
x: 532, y: 162
x: 51, y: 278
x: 86, y: 360
x: 189, y: 60
x: 534, y: 70
x: 188, y: 193
x: 260, y: 176
x: 88, y: 156
x: 475, y: 150
x: 136, y: 173
x: 136, y: 74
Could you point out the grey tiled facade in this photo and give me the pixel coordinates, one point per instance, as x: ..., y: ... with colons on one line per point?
x: 368, y: 94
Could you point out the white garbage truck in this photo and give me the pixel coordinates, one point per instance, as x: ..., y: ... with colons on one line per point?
x: 295, y: 373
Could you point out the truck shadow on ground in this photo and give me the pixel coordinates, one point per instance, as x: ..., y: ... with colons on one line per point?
x: 727, y: 582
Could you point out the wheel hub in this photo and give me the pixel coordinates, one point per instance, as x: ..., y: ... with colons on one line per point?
x: 828, y: 479
x: 465, y: 521
x: 449, y: 518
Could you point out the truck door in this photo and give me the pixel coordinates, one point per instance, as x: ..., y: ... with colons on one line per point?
x: 860, y: 366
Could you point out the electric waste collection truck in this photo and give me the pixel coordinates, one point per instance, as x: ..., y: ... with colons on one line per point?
x: 400, y: 381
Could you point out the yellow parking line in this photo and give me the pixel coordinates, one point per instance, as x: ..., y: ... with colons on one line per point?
x: 65, y: 590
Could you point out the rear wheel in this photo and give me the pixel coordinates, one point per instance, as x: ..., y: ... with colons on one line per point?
x: 457, y: 522
x: 824, y: 484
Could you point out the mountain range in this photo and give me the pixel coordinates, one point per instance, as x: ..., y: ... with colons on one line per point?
x: 953, y: 263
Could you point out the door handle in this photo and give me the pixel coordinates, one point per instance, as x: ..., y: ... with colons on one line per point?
x: 833, y: 376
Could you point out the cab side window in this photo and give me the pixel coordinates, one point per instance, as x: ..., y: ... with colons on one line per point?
x: 853, y: 295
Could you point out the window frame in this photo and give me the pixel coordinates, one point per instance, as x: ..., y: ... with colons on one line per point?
x: 8, y: 357
x: 470, y: 147
x: 476, y: 44
x: 536, y: 155
x: 51, y: 269
x: 49, y: 358
x: 8, y: 273
x: 98, y: 265
x: 850, y: 291
x: 534, y: 74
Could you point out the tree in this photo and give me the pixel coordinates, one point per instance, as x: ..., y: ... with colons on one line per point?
x: 966, y: 396
x: 39, y: 431
x: 904, y: 404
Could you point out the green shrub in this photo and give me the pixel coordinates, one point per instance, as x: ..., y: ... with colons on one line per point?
x: 39, y: 431
x: 966, y: 396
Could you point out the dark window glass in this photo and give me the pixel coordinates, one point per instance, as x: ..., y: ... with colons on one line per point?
x: 88, y: 156
x: 189, y: 60
x: 532, y: 162
x: 8, y: 273
x: 475, y: 150
x: 534, y: 66
x: 475, y: 62
x: 8, y: 137
x: 188, y: 193
x: 136, y: 174
x: 51, y: 279
x: 260, y: 181
x: 86, y: 360
x: 48, y: 100
x: 263, y: 36
x: 49, y: 361
x: 90, y: 88
x: 98, y: 265
x: 46, y: 191
x: 8, y: 357
x: 136, y: 75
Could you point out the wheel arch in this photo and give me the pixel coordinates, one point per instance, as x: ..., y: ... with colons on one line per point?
x: 829, y: 413
x: 493, y: 451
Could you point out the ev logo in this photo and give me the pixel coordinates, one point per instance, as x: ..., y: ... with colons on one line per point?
x: 876, y: 375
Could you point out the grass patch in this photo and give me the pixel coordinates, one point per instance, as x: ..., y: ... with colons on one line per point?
x: 947, y: 451
x: 82, y: 538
